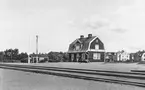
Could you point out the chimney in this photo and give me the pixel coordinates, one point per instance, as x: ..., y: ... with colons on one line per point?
x: 89, y: 35
x: 82, y: 36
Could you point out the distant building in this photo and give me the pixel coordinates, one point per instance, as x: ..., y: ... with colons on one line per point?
x: 110, y: 56
x: 139, y: 56
x: 33, y: 57
x: 143, y: 56
x: 122, y: 56
x: 89, y: 48
x: 132, y: 57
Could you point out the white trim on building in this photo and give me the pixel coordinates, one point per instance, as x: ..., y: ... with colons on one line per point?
x: 95, y: 50
x: 91, y: 42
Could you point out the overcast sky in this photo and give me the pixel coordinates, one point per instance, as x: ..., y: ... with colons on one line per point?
x: 120, y: 24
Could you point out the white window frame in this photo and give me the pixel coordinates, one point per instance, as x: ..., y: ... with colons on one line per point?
x: 97, y: 46
x: 97, y: 40
x: 77, y: 47
x: 72, y: 57
x: 96, y: 56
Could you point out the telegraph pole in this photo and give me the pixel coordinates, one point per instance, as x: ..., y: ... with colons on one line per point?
x: 36, y: 48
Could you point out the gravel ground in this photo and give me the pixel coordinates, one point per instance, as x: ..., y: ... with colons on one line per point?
x: 18, y: 80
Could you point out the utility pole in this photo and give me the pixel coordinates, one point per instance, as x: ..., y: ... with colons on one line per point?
x: 36, y: 48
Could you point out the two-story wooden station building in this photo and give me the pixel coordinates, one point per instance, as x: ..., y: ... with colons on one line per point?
x: 89, y: 48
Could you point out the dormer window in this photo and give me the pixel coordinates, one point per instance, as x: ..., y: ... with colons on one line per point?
x: 97, y: 41
x: 77, y: 47
x: 96, y: 46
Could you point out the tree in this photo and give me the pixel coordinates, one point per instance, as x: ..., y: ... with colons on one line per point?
x: 58, y: 56
x: 11, y: 54
x: 1, y: 56
x: 23, y: 57
x: 65, y: 57
x: 53, y: 56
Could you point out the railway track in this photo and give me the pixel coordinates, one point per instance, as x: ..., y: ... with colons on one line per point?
x: 131, y: 78
x: 138, y: 71
x: 134, y: 75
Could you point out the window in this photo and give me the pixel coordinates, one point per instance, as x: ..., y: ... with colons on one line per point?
x: 96, y: 46
x: 97, y: 41
x: 77, y: 47
x: 72, y: 56
x: 83, y: 56
x: 96, y: 56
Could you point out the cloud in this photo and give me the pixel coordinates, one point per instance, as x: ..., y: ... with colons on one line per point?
x: 119, y: 30
x: 135, y: 48
x: 96, y: 25
x: 96, y: 22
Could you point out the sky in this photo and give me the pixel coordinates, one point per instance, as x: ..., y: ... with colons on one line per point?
x: 120, y: 24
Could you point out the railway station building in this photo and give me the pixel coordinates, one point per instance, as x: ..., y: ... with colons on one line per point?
x: 89, y: 48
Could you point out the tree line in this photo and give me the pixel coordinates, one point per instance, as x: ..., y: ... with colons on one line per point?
x: 13, y: 55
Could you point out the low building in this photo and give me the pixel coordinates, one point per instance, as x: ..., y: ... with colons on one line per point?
x: 122, y: 56
x: 139, y: 56
x: 89, y: 48
x: 110, y: 56
x: 33, y: 58
x: 143, y: 56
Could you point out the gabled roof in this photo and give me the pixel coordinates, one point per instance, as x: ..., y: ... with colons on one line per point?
x: 85, y: 44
